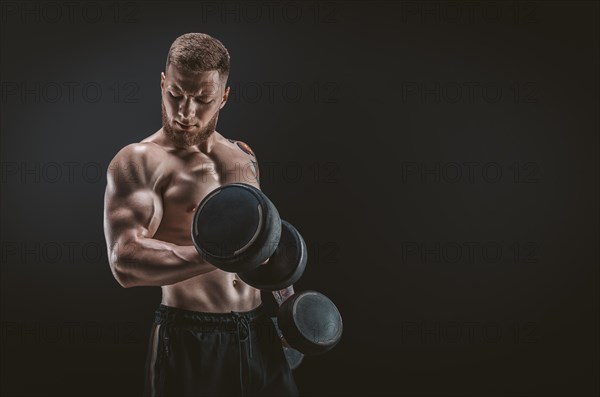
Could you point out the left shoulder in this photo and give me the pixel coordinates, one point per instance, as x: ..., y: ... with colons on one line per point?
x: 243, y: 146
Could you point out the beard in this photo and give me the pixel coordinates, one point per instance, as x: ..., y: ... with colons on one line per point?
x: 184, y: 139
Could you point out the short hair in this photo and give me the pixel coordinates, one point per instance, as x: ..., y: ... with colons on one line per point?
x: 199, y: 52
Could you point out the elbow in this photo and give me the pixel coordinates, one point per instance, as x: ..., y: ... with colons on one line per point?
x: 124, y: 280
x: 121, y: 262
x: 122, y: 274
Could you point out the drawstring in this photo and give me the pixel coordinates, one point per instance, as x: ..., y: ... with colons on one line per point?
x: 241, y: 324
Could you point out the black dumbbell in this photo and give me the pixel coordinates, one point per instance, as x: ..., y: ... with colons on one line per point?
x: 237, y: 228
x: 310, y: 322
x: 285, y: 266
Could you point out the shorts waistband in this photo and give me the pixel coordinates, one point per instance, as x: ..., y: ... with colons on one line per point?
x: 168, y: 315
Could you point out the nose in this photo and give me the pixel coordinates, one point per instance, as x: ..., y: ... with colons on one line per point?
x: 186, y: 110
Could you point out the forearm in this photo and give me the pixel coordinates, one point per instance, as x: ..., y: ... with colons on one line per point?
x: 150, y: 262
x: 282, y: 294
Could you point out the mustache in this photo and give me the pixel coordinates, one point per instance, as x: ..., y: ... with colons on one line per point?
x: 183, y: 139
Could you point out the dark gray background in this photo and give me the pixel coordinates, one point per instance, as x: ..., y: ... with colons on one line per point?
x: 449, y: 284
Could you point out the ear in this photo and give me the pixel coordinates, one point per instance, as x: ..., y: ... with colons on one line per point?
x: 162, y: 80
x: 225, y: 96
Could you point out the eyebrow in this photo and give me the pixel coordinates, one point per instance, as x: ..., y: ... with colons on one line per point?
x: 175, y: 85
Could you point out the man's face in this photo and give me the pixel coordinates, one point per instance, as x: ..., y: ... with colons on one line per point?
x: 190, y: 105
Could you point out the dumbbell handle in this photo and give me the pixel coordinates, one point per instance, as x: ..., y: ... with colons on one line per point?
x: 282, y: 294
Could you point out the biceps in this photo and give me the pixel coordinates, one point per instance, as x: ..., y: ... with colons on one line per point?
x: 136, y: 215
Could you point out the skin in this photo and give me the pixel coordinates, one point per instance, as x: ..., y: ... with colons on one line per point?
x: 154, y: 187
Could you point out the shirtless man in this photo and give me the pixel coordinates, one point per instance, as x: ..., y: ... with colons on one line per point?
x: 211, y: 335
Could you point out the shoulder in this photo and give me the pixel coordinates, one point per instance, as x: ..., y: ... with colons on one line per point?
x: 245, y: 151
x: 243, y: 146
x: 137, y: 161
x: 139, y: 152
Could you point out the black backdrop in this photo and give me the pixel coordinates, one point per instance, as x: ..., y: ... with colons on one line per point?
x: 440, y: 159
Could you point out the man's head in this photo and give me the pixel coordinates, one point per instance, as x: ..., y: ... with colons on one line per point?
x: 193, y: 88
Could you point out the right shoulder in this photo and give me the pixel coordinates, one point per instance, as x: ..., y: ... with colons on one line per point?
x: 143, y: 153
x: 139, y: 151
x: 137, y: 162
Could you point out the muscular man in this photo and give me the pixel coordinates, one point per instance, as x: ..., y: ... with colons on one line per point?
x: 211, y: 335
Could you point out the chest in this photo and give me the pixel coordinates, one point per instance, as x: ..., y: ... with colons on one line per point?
x: 191, y: 179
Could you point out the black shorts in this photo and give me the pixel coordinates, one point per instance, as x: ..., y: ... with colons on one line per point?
x: 216, y: 354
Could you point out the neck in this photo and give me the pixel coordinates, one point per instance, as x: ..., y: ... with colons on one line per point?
x: 207, y: 145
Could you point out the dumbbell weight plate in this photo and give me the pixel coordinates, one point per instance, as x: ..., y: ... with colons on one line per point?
x: 285, y: 266
x: 310, y: 322
x: 236, y: 227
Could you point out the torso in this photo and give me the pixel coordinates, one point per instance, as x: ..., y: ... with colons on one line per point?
x: 184, y: 179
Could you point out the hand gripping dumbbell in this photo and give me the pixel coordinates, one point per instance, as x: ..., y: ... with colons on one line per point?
x: 237, y: 229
